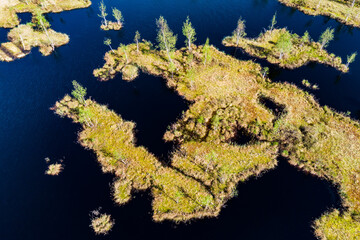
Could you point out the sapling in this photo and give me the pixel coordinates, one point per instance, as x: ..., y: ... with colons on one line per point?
x: 124, y: 49
x: 326, y: 37
x: 351, y: 59
x: 189, y: 32
x: 284, y: 44
x: 103, y: 13
x: 118, y: 16
x: 264, y: 72
x: 107, y: 42
x: 273, y: 22
x: 41, y: 20
x: 136, y: 39
x: 206, y: 51
x: 79, y: 92
x: 165, y: 37
x: 239, y: 32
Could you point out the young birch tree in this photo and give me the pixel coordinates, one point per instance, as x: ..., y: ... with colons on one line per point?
x: 124, y: 49
x: 118, y: 16
x: 41, y: 21
x: 326, y: 37
x: 189, y: 33
x: 273, y: 22
x: 79, y: 92
x: 107, y: 42
x: 351, y: 59
x: 206, y: 51
x: 264, y: 72
x: 239, y: 32
x: 165, y: 37
x: 103, y: 13
x: 284, y: 44
x: 136, y: 39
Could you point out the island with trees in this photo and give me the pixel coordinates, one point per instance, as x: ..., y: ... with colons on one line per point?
x: 37, y: 33
x: 110, y: 25
x: 344, y: 11
x: 279, y: 46
x: 230, y: 98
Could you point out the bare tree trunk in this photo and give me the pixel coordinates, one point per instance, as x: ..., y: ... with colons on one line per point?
x: 22, y: 41
x: 318, y: 5
x: 137, y: 45
x: 47, y: 34
x: 189, y: 44
x: 105, y: 22
x: 166, y: 46
x: 111, y: 48
x: 353, y: 4
x: 126, y: 56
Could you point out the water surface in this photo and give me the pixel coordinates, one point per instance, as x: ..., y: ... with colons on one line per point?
x: 280, y: 205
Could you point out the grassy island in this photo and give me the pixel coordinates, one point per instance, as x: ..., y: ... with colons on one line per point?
x: 24, y: 37
x: 10, y: 8
x: 36, y: 33
x: 344, y: 11
x: 279, y: 46
x: 111, y: 26
x: 231, y: 98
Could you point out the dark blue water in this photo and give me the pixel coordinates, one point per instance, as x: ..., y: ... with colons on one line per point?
x: 280, y: 205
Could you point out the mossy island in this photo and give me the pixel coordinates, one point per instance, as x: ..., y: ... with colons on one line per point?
x: 24, y: 37
x: 229, y: 98
x: 107, y: 25
x: 10, y: 8
x: 280, y: 47
x: 101, y: 223
x: 37, y: 33
x: 344, y: 11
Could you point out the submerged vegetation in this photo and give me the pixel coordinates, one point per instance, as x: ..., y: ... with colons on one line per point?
x: 228, y: 97
x: 279, y: 46
x: 345, y: 11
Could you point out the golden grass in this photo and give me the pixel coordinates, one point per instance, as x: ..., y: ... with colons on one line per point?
x: 177, y: 196
x: 333, y: 226
x: 226, y: 96
x: 102, y: 224
x: 338, y: 9
x: 23, y: 38
x: 111, y: 26
x: 301, y: 52
x: 54, y: 169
